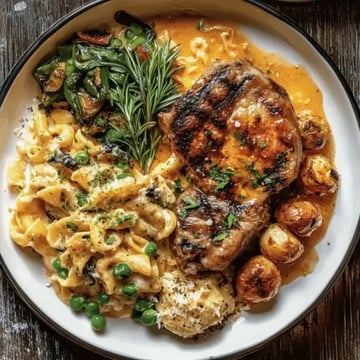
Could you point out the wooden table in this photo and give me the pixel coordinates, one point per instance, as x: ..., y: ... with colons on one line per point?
x: 332, y: 330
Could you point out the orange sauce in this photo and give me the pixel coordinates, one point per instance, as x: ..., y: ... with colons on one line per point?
x: 221, y: 40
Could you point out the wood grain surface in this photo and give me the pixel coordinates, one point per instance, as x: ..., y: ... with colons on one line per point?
x: 332, y: 330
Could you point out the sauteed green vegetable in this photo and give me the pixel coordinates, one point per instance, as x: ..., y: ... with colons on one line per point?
x: 115, y: 86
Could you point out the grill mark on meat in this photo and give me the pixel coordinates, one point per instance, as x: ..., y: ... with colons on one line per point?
x: 273, y: 109
x: 191, y: 115
x: 231, y: 97
x: 234, y: 91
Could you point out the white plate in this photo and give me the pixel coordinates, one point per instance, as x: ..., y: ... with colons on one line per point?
x: 270, y: 31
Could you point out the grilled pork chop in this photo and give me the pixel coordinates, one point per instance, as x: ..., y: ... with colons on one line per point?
x: 236, y: 131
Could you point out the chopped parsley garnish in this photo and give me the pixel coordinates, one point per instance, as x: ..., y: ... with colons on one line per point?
x: 220, y: 236
x: 222, y: 177
x: 177, y: 186
x: 263, y: 145
x: 81, y: 198
x: 110, y: 240
x: 71, y: 225
x: 267, y: 180
x: 61, y: 176
x: 102, y: 217
x: 230, y: 220
x: 260, y: 179
x: 98, y: 179
x: 241, y: 137
x: 123, y: 175
x: 281, y: 158
x: 124, y: 218
x: 190, y: 203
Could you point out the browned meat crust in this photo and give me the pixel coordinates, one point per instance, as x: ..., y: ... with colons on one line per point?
x: 236, y: 130
x: 213, y: 232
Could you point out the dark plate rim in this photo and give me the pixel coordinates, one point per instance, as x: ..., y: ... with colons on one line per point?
x: 77, y: 340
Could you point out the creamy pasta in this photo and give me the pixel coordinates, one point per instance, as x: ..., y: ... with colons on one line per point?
x: 92, y: 218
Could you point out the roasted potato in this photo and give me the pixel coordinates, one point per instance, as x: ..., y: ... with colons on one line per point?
x: 280, y: 245
x: 302, y: 217
x: 258, y: 280
x: 318, y: 176
x: 314, y: 130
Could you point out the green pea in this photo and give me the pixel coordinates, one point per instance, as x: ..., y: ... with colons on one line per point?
x: 143, y: 304
x: 82, y: 157
x: 57, y: 264
x: 77, y: 302
x: 129, y: 290
x: 103, y: 298
x: 149, y: 317
x: 150, y: 248
x: 136, y: 315
x: 92, y: 308
x: 63, y: 273
x: 98, y: 322
x: 121, y: 270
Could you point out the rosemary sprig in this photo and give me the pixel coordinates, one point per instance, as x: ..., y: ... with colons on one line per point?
x: 147, y: 90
